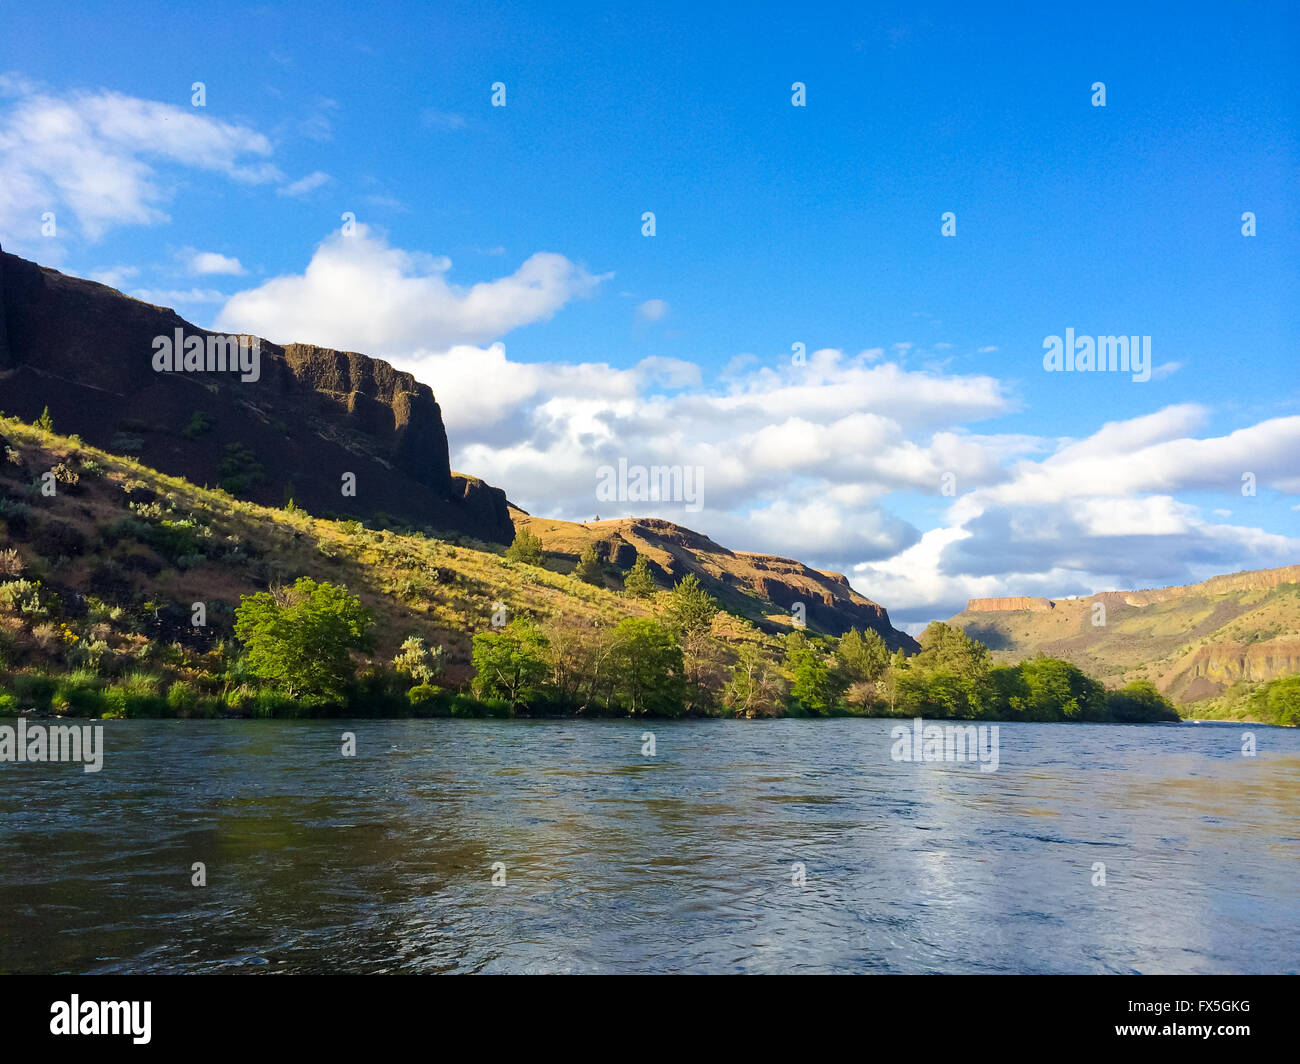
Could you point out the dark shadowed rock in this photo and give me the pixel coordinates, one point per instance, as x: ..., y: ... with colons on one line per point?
x: 313, y: 415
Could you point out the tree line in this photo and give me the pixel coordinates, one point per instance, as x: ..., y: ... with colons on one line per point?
x: 675, y: 663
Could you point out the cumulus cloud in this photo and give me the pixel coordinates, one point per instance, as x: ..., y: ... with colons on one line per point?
x: 91, y: 157
x: 816, y: 462
x: 1096, y: 514
x: 359, y: 293
x: 209, y: 262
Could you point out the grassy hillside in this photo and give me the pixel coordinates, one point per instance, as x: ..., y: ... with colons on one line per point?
x: 762, y: 588
x: 1205, y: 646
x: 106, y: 566
x: 102, y: 576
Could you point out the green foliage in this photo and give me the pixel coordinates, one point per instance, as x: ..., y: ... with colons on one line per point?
x: 690, y: 608
x: 1277, y: 702
x: 526, y: 548
x: 589, y: 569
x: 510, y: 662
x: 299, y: 638
x: 45, y: 423
x: 755, y: 690
x: 640, y: 581
x: 950, y: 649
x: 26, y: 597
x: 648, y: 668
x: 813, y: 685
x: 862, y: 656
x: 1058, y: 690
x: 1139, y: 703
x: 199, y: 423
x: 240, y: 471
x: 182, y: 698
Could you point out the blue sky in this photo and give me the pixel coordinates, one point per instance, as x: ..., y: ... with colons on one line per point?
x: 775, y: 224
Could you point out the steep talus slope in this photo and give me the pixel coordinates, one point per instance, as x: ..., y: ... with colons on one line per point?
x: 1193, y: 641
x: 315, y: 414
x: 762, y: 587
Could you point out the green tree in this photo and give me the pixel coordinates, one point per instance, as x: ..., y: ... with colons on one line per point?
x: 814, y: 684
x: 1277, y: 702
x: 510, y: 663
x: 951, y: 649
x: 589, y: 569
x: 1057, y: 690
x: 526, y: 548
x: 640, y: 581
x: 299, y: 637
x: 648, y: 668
x: 1140, y: 703
x: 862, y: 656
x: 755, y: 689
x: 690, y: 609
x: 45, y: 423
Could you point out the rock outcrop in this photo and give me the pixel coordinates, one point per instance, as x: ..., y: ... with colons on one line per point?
x: 1018, y: 602
x: 312, y: 416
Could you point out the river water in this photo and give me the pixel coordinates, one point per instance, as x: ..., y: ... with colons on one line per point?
x: 617, y: 861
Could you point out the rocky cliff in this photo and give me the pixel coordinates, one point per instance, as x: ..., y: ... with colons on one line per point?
x: 311, y: 417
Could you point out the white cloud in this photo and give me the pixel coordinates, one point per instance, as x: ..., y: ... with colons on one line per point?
x: 209, y: 262
x: 360, y: 294
x: 91, y: 157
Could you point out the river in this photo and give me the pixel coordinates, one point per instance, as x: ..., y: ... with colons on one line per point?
x: 778, y: 846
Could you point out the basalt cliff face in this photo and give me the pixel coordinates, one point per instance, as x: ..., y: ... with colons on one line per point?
x: 313, y: 415
x: 1193, y: 641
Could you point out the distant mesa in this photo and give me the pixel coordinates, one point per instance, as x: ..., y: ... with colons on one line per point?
x: 1192, y: 641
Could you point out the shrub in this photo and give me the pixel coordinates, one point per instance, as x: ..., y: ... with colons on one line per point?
x: 182, y: 698
x: 589, y: 569
x: 1139, y: 703
x: 34, y: 689
x: 417, y: 661
x: 299, y: 637
x: 425, y: 698
x: 526, y: 548
x: 199, y: 423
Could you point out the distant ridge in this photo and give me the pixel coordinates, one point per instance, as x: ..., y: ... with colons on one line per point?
x: 1194, y: 641
x: 1245, y: 580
